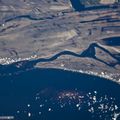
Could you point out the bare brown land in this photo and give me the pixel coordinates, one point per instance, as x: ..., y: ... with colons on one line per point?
x: 40, y: 30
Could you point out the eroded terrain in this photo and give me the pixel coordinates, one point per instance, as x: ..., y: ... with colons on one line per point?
x: 76, y: 38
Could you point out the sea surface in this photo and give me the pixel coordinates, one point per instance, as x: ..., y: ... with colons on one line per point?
x: 53, y: 94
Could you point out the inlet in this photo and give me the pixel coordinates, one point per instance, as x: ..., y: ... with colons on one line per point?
x: 113, y: 41
x: 76, y: 4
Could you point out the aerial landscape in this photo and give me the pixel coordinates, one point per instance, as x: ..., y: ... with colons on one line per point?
x: 59, y: 59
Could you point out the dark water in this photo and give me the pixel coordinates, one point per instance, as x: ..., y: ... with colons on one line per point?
x: 113, y: 41
x: 52, y: 94
x: 78, y: 6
